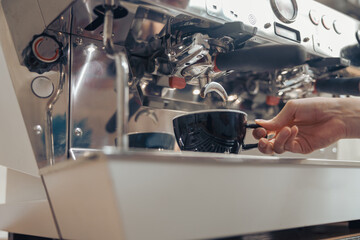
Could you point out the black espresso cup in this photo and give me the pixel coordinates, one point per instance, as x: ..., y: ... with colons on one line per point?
x: 221, y: 131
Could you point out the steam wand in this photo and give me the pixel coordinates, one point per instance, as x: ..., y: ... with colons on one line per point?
x: 122, y: 77
x: 206, y: 87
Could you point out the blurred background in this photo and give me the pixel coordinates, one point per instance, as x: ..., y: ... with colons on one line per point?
x: 349, y: 7
x: 3, y: 235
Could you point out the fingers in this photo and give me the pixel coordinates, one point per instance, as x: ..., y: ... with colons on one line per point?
x: 280, y: 140
x: 286, y: 115
x: 290, y: 143
x: 284, y: 141
x: 259, y: 133
x: 265, y: 146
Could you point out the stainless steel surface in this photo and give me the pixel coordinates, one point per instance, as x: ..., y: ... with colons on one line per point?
x: 122, y: 67
x: 122, y: 78
x: 177, y: 196
x: 49, y: 131
x: 108, y: 30
x: 93, y: 95
x: 41, y: 111
x: 161, y: 39
x: 82, y: 13
x: 38, y: 15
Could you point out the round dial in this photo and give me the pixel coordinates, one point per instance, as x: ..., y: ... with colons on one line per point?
x: 46, y: 49
x: 43, y: 53
x: 285, y: 10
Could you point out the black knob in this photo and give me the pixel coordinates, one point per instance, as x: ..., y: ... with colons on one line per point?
x: 352, y: 52
x: 42, y: 53
x: 357, y: 35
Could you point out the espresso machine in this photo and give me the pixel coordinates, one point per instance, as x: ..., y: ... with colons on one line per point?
x: 88, y: 75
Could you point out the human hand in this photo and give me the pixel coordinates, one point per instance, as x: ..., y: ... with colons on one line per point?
x: 306, y: 125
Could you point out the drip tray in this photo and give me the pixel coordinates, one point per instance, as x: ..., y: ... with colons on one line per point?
x: 167, y: 195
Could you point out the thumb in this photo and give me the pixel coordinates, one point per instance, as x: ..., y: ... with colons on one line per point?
x: 284, y: 118
x: 267, y: 124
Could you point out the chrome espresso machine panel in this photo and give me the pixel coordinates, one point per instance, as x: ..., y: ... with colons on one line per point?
x: 180, y: 56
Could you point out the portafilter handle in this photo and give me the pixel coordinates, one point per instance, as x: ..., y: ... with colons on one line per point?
x: 339, y: 86
x: 261, y: 58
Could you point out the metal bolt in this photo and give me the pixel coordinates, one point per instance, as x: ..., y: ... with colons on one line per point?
x: 79, y: 30
x: 78, y: 132
x: 38, y: 129
x: 306, y: 39
x: 79, y: 41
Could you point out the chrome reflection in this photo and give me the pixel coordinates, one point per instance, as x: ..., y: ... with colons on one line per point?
x: 89, y: 51
x: 49, y: 133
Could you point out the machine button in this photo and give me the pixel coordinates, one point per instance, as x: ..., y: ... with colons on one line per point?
x: 326, y: 22
x: 42, y: 87
x: 357, y: 35
x: 314, y: 17
x: 337, y: 27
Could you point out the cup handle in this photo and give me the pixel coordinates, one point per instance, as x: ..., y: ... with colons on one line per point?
x: 251, y: 145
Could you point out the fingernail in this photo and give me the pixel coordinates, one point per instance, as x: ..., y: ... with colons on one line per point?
x: 260, y: 120
x: 262, y: 144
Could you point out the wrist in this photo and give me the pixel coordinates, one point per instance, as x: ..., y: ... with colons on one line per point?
x: 350, y: 116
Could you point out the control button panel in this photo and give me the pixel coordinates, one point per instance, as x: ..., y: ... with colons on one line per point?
x: 314, y: 17
x: 337, y: 27
x: 326, y: 22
